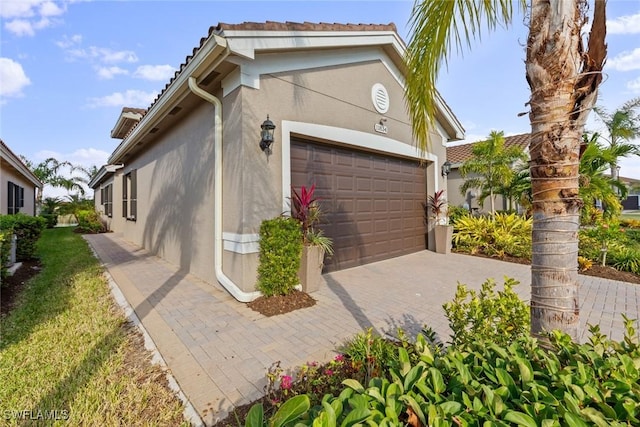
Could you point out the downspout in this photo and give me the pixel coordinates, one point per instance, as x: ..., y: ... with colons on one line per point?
x: 224, y: 280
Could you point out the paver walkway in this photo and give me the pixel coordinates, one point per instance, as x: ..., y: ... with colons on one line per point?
x: 219, y: 350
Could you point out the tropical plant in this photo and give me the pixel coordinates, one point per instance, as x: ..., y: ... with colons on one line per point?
x: 306, y: 209
x: 499, y: 235
x: 490, y: 169
x: 436, y: 208
x: 563, y: 72
x: 517, y: 191
x: 594, y: 184
x: 623, y: 125
x: 52, y: 172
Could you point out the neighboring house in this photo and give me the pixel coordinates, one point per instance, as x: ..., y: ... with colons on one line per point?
x: 632, y: 202
x: 457, y: 155
x: 191, y: 183
x: 19, y: 186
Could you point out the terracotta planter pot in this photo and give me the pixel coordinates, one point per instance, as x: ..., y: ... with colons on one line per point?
x: 311, y: 265
x: 444, y: 234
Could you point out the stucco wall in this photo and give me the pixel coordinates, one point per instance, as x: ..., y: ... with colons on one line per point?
x: 10, y: 174
x: 175, y: 187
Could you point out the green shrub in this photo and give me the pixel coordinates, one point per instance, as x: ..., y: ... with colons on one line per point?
x: 50, y: 218
x: 27, y: 230
x: 500, y: 235
x: 485, y: 384
x: 456, y: 212
x: 375, y: 353
x: 89, y: 221
x: 279, y: 259
x: 487, y: 315
x: 626, y: 259
x: 5, y: 252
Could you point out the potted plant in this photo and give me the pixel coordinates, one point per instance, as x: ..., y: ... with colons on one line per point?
x: 436, y: 209
x: 305, y: 208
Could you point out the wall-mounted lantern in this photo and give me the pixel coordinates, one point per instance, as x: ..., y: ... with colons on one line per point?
x: 446, y: 168
x: 266, y: 134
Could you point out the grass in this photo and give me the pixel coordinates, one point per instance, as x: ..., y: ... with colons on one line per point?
x: 631, y: 215
x: 67, y: 352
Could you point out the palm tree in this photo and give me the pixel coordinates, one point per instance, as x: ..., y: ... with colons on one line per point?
x: 594, y: 184
x: 49, y: 172
x: 623, y: 126
x: 563, y: 73
x: 491, y: 167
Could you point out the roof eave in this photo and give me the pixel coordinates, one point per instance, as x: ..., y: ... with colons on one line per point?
x: 214, y: 47
x: 17, y: 164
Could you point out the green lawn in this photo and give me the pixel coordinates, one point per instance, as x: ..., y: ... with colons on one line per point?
x: 631, y: 215
x: 67, y: 351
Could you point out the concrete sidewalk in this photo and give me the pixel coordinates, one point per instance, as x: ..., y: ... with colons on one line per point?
x: 219, y: 350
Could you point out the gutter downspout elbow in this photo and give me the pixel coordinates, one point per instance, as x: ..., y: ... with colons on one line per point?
x: 224, y: 280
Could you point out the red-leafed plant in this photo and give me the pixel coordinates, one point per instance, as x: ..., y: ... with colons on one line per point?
x: 436, y: 207
x: 305, y: 208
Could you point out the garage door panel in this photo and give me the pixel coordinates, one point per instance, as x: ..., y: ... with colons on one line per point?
x: 371, y: 202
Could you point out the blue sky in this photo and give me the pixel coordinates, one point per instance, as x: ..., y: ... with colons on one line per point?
x: 68, y: 67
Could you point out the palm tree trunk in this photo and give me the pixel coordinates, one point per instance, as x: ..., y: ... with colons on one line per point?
x: 563, y: 80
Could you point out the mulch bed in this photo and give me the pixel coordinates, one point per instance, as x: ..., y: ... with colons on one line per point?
x: 596, y: 270
x: 13, y: 285
x: 281, y: 304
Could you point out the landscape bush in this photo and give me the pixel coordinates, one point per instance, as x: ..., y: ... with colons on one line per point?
x: 89, y: 221
x: 483, y: 383
x: 27, y: 230
x: 279, y: 258
x: 498, y: 235
x: 482, y: 378
x: 498, y: 316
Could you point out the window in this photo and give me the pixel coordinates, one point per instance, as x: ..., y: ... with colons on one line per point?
x: 129, y: 196
x: 15, y: 198
x: 106, y: 194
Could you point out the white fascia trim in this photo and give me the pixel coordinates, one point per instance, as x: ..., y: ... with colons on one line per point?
x: 17, y: 164
x: 241, y: 243
x: 248, y: 43
x: 349, y: 137
x: 249, y: 71
x: 177, y: 90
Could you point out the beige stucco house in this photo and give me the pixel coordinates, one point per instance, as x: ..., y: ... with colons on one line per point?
x: 19, y: 185
x: 191, y: 183
x: 457, y: 155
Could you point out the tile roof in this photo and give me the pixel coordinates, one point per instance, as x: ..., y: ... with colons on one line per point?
x: 302, y: 26
x: 461, y: 153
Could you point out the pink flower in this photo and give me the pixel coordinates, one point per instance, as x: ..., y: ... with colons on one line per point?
x: 339, y: 357
x: 312, y: 364
x: 328, y: 372
x: 286, y: 382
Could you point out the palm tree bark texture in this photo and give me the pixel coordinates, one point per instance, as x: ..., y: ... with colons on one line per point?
x: 564, y: 79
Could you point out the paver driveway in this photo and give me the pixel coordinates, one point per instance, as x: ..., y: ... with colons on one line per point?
x: 218, y: 350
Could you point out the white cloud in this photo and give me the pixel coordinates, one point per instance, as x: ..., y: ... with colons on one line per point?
x: 154, y: 72
x: 130, y: 98
x: 110, y: 72
x: 12, y: 78
x: 626, y: 61
x: 634, y: 85
x: 101, y: 54
x: 25, y: 17
x: 68, y: 42
x: 20, y: 27
x: 629, y: 24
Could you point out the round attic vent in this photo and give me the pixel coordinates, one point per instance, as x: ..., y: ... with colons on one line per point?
x: 380, y: 98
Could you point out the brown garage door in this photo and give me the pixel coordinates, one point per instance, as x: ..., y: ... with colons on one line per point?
x: 372, y: 202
